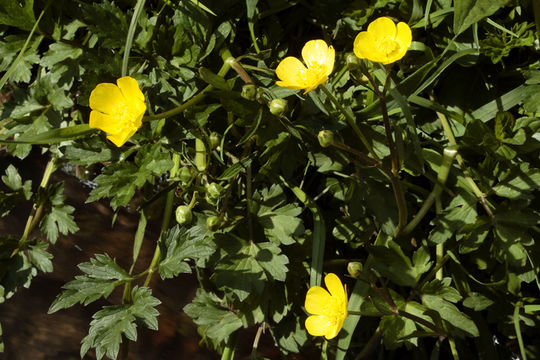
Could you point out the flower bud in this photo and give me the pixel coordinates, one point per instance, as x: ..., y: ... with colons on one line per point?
x: 353, y: 62
x: 214, y: 140
x: 354, y: 268
x: 183, y: 215
x: 249, y: 92
x: 278, y: 106
x: 185, y: 175
x: 213, y: 190
x: 326, y: 138
x: 213, y: 222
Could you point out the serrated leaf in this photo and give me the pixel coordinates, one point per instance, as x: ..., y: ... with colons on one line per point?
x: 110, y: 323
x: 216, y: 321
x: 17, y: 13
x: 57, y: 218
x: 477, y: 301
x: 393, y: 264
x: 247, y: 266
x: 39, y: 257
x: 451, y: 314
x: 180, y: 244
x: 442, y: 288
x: 59, y: 52
x: 102, y: 275
x: 121, y: 180
x: 519, y: 183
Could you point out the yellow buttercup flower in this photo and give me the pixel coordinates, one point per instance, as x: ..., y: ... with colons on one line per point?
x: 329, y: 309
x: 319, y: 58
x: 384, y: 41
x: 117, y: 109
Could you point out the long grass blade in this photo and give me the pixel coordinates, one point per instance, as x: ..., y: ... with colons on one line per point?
x: 16, y: 62
x: 131, y: 34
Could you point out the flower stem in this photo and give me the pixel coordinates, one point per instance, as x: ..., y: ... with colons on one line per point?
x: 351, y: 121
x: 37, y: 211
x: 396, y: 185
x: 165, y: 223
x: 444, y: 170
x: 228, y: 60
x: 452, y: 140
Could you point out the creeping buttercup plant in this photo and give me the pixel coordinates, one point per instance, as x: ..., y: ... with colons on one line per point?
x: 388, y: 149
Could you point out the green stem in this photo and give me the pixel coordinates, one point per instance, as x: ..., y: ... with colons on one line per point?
x: 37, y: 211
x: 228, y: 352
x: 444, y: 170
x: 228, y: 60
x: 452, y: 140
x: 166, y: 220
x: 453, y: 348
x: 517, y: 327
x: 350, y: 120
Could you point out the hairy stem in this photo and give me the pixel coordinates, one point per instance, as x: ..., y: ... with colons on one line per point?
x: 165, y: 223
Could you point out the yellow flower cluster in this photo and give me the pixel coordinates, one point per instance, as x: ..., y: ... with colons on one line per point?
x: 383, y: 42
x: 329, y: 309
x: 117, y: 109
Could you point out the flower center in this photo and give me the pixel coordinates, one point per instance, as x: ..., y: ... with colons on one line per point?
x: 388, y: 46
x: 316, y: 74
x: 124, y: 117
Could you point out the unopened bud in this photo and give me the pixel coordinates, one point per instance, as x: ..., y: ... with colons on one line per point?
x: 353, y: 62
x: 185, y: 175
x: 183, y: 215
x: 249, y: 92
x: 326, y: 138
x: 213, y: 223
x: 214, y: 140
x: 213, y: 190
x: 278, y: 106
x: 354, y: 268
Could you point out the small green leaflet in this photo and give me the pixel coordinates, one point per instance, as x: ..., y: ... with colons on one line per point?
x: 179, y: 244
x: 111, y: 322
x: 247, y: 266
x: 102, y: 275
x: 57, y: 218
x: 280, y: 223
x: 213, y: 316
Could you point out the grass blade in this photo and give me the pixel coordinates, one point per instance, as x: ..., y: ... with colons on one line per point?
x: 131, y: 34
x: 15, y: 63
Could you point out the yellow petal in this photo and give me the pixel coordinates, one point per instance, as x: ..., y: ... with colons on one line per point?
x: 319, y: 325
x: 292, y: 73
x: 105, y: 98
x: 104, y: 122
x: 404, y: 35
x: 334, y: 330
x: 130, y: 88
x: 120, y: 138
x: 132, y: 94
x: 334, y: 285
x: 330, y: 58
x: 317, y: 299
x: 315, y: 53
x: 382, y: 27
x: 364, y: 46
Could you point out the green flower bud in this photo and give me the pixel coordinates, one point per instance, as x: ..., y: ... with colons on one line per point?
x: 326, y: 138
x: 213, y: 190
x: 278, y: 106
x: 185, y: 175
x: 214, y: 140
x: 213, y: 222
x: 183, y: 215
x: 249, y: 92
x: 353, y: 62
x: 354, y: 268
